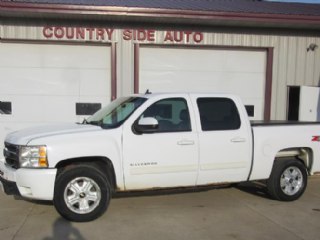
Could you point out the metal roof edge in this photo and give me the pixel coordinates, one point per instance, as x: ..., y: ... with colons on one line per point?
x: 10, y: 8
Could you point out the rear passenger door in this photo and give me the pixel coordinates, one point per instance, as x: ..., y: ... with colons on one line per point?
x: 224, y: 140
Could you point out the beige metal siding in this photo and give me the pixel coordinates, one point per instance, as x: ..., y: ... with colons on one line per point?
x: 292, y: 64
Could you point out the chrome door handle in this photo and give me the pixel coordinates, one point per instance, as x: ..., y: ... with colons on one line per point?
x: 238, y: 139
x: 185, y: 142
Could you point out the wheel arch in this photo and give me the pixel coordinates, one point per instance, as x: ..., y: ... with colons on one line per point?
x: 103, y: 163
x: 303, y: 154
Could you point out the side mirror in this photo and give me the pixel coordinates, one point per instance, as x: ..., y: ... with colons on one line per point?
x: 146, y: 125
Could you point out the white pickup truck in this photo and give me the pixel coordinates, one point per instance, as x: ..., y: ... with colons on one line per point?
x: 154, y: 141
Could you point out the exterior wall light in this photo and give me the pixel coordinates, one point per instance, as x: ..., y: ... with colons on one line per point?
x: 312, y: 47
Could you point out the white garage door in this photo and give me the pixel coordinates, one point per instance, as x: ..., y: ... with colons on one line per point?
x: 205, y: 70
x: 43, y: 83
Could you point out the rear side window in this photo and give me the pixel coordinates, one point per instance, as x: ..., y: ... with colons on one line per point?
x: 218, y: 114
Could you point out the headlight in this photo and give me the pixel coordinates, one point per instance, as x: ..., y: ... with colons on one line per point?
x: 33, y: 156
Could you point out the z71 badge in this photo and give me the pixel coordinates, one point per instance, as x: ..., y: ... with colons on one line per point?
x: 315, y: 139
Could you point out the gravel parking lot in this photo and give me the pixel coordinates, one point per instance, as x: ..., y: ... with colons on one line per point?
x: 242, y: 212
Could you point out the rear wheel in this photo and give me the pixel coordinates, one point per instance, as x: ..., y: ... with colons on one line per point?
x: 82, y: 193
x: 288, y: 180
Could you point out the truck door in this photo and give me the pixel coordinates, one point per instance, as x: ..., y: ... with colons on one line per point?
x: 225, y: 141
x: 168, y: 157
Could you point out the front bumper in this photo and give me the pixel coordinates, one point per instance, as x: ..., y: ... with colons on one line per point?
x: 29, y: 183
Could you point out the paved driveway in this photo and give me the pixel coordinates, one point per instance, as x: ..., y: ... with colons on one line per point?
x: 243, y: 212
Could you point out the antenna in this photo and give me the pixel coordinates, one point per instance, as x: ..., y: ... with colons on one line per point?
x: 147, y: 92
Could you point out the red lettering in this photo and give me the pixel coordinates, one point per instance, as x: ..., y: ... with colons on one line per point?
x: 109, y: 32
x: 70, y: 33
x: 138, y: 35
x: 59, y: 32
x: 150, y: 35
x: 198, y: 37
x: 187, y: 34
x: 127, y: 35
x: 80, y: 33
x: 141, y: 35
x: 178, y: 36
x: 47, y: 32
x: 168, y: 37
x: 90, y: 30
x: 100, y: 34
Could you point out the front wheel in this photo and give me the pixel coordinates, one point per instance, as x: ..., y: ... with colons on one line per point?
x: 288, y: 180
x: 82, y: 193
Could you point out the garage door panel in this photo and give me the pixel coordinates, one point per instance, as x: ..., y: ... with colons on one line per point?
x: 44, y: 82
x: 170, y: 60
x: 203, y: 60
x: 39, y: 81
x: 168, y: 82
x: 35, y: 110
x: 54, y: 81
x: 104, y: 100
x: 240, y: 72
x: 244, y: 61
x: 54, y: 56
x: 209, y: 81
x: 43, y: 108
x: 95, y: 83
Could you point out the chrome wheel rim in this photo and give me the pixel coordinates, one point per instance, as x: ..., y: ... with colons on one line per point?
x: 291, y: 181
x: 82, y: 195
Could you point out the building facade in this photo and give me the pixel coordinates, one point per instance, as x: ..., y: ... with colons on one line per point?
x: 63, y: 60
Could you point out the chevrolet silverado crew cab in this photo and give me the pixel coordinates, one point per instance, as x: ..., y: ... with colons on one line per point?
x: 155, y: 141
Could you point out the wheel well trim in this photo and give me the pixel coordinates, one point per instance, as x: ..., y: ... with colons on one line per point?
x: 303, y: 154
x: 109, y: 173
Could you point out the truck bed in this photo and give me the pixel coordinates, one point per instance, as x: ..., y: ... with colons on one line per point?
x: 280, y: 123
x: 271, y: 137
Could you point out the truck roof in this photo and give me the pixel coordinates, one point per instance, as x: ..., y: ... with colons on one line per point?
x: 158, y: 94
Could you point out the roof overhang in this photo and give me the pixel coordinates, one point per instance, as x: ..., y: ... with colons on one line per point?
x: 157, y: 16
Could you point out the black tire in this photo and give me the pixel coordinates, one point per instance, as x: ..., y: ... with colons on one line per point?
x: 87, y: 186
x: 288, y: 180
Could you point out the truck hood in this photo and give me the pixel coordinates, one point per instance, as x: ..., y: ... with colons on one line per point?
x: 23, y: 137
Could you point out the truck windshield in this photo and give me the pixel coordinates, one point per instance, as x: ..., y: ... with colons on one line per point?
x: 114, y: 114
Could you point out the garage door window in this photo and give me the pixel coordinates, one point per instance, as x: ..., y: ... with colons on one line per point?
x: 218, y: 114
x: 172, y: 115
x: 5, y: 108
x: 87, y: 108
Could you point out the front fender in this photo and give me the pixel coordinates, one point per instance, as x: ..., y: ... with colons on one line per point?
x: 104, y: 143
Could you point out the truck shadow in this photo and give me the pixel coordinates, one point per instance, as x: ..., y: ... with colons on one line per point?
x: 258, y: 189
x: 40, y: 202
x: 169, y: 191
x: 63, y: 230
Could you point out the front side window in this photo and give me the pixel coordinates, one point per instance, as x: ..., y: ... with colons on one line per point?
x: 172, y: 115
x: 218, y: 114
